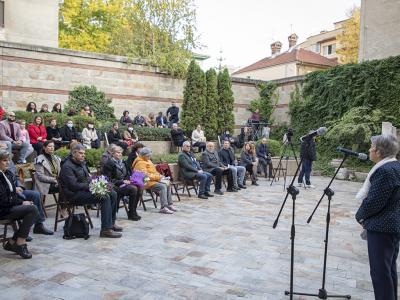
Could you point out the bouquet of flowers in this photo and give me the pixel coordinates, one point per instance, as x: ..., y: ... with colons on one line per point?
x: 100, y: 186
x: 139, y: 179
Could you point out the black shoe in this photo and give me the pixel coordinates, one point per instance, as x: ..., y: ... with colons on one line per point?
x: 29, y: 239
x: 208, y: 194
x: 21, y: 250
x: 254, y: 183
x: 7, y: 246
x: 203, y: 196
x: 134, y: 217
x: 41, y: 229
x: 242, y: 186
x: 232, y: 190
x: 109, y: 233
x: 218, y: 192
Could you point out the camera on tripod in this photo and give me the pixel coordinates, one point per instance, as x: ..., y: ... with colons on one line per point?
x: 287, y: 137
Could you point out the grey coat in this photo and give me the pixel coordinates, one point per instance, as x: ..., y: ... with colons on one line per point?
x: 186, y: 167
x: 210, y: 161
x: 43, y: 176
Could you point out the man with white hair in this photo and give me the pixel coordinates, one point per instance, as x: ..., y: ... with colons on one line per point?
x: 191, y: 169
x: 228, y: 159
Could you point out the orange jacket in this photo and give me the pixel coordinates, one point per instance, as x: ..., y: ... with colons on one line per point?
x: 147, y: 167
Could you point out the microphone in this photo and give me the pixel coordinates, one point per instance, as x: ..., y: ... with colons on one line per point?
x: 320, y: 131
x: 361, y: 156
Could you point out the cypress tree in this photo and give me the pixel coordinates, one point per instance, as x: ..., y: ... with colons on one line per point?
x: 226, y: 119
x: 211, y: 107
x: 194, y: 98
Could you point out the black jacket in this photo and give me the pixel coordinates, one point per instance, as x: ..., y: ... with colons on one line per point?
x: 173, y: 112
x: 308, y: 151
x: 177, y: 135
x: 262, y: 150
x: 246, y: 158
x: 74, y: 177
x: 113, y: 137
x: 131, y: 158
x: 68, y: 134
x: 8, y: 199
x: 227, y: 157
x: 52, y: 133
x: 158, y: 120
x: 116, y: 174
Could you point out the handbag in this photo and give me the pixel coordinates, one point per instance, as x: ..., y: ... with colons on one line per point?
x: 76, y: 226
x: 137, y: 178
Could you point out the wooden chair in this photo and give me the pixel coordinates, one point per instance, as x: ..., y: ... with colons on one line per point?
x: 151, y: 198
x: 5, y: 223
x: 33, y: 173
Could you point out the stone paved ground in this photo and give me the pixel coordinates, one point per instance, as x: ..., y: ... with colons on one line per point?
x: 221, y: 248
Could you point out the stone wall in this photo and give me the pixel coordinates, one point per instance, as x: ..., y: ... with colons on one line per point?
x: 46, y: 75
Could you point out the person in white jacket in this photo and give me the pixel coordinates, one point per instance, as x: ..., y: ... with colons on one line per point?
x: 198, y: 139
x: 90, y: 138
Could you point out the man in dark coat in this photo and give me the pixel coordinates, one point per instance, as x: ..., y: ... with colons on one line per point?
x: 177, y: 135
x: 75, y: 180
x: 264, y: 158
x: 228, y: 159
x: 190, y: 169
x: 308, y: 154
x: 172, y: 114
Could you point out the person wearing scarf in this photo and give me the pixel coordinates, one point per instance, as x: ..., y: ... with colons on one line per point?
x: 379, y: 214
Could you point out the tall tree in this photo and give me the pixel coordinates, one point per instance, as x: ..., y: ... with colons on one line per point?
x: 211, y: 106
x: 194, y: 98
x: 349, y: 38
x: 226, y: 119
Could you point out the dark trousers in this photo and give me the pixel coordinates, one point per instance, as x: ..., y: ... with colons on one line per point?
x: 383, y: 249
x: 34, y: 196
x: 108, y: 206
x: 306, y: 167
x: 200, y: 145
x: 133, y: 193
x: 95, y: 144
x: 28, y: 214
x: 205, y: 181
x: 38, y: 147
x: 264, y: 164
x: 218, y: 173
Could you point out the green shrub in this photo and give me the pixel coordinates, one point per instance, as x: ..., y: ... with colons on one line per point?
x: 92, y: 156
x: 62, y: 152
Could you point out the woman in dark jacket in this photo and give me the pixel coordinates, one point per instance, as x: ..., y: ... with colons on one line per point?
x: 114, y: 137
x: 248, y: 161
x: 13, y: 207
x: 118, y: 172
x: 379, y: 214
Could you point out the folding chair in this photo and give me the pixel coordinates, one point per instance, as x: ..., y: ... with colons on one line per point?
x: 5, y: 223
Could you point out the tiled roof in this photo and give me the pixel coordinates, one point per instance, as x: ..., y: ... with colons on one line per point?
x: 295, y: 55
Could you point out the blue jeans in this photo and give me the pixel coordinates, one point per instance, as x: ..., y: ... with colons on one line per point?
x: 108, y: 203
x: 34, y: 196
x: 383, y: 249
x: 205, y: 181
x: 306, y: 167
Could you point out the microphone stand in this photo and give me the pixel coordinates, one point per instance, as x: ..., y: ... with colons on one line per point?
x: 293, y: 191
x: 322, y: 293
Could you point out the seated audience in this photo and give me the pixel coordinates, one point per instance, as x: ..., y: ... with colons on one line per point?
x: 71, y: 112
x: 37, y: 134
x: 177, y: 135
x: 86, y: 111
x: 12, y: 207
x: 265, y: 132
x: 134, y: 153
x: 198, y: 138
x: 172, y: 114
x: 130, y: 136
x: 119, y: 173
x: 139, y: 120
x: 57, y: 108
x: 150, y: 120
x: 53, y: 134
x: 212, y: 164
x: 161, y: 120
x: 25, y: 137
x: 28, y: 195
x: 107, y: 155
x: 125, y: 119
x: 247, y: 160
x: 68, y: 132
x: 228, y: 159
x: 264, y: 158
x: 44, y: 108
x: 234, y: 142
x: 157, y: 183
x: 190, y: 169
x: 10, y: 134
x: 47, y: 169
x: 75, y: 179
x: 114, y: 137
x: 253, y: 152
x: 90, y: 139
x: 31, y: 107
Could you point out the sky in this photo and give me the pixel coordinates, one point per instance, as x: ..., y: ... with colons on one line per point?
x: 244, y: 29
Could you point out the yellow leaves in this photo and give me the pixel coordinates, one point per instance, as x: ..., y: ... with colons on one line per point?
x: 349, y: 39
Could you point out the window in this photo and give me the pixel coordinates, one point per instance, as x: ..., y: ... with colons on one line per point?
x: 317, y: 48
x: 1, y: 13
x: 329, y: 50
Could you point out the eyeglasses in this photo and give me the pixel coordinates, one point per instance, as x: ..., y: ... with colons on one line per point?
x: 11, y: 116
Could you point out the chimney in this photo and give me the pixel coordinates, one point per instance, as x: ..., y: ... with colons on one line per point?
x: 276, y: 48
x: 292, y: 40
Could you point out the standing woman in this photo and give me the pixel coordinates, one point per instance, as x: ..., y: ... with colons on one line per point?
x: 248, y: 161
x: 47, y: 169
x: 119, y: 172
x: 37, y: 134
x: 379, y: 214
x: 14, y: 208
x: 31, y: 107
